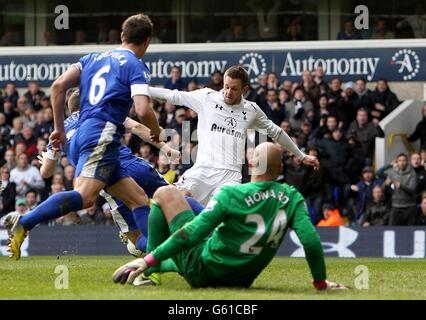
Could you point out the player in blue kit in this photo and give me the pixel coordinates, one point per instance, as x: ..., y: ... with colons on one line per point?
x: 142, y: 172
x: 109, y: 83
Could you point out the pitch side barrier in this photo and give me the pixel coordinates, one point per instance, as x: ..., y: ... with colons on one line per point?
x: 344, y: 242
x: 397, y: 60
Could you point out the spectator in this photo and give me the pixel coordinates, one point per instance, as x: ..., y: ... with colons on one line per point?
x: 417, y: 22
x: 356, y: 161
x: 364, y: 191
x: 30, y: 117
x: 366, y: 133
x: 21, y: 206
x: 363, y: 98
x: 377, y: 211
x: 5, y: 130
x: 272, y: 81
x: 421, y: 213
x: 106, y: 215
x: 348, y: 32
x: 45, y: 103
x: 313, y: 187
x: 272, y: 108
x: 347, y: 112
x: 334, y: 96
x: 294, y: 32
x: 10, y: 160
x: 305, y: 134
x: 175, y: 81
x: 287, y: 85
x: 31, y: 199
x: 20, y: 148
x: 319, y: 79
x: 402, y: 182
x: 11, y: 93
x: 423, y: 155
x: 179, y: 125
x: 9, y: 111
x: 331, y: 215
x: 25, y: 176
x: 30, y: 142
x: 285, y: 125
x: 15, y: 133
x: 113, y: 37
x: 294, y: 172
x: 166, y: 33
x: 216, y: 82
x: 192, y: 85
x: 102, y: 28
x: 326, y: 126
x: 420, y: 131
x: 262, y: 88
x: 45, y: 128
x: 80, y: 38
x: 335, y: 151
x: 416, y: 164
x: 34, y: 94
x: 49, y: 38
x: 69, y: 172
x: 227, y: 33
x: 145, y: 152
x: 383, y: 101
x: 312, y: 90
x: 381, y: 31
x: 164, y: 169
x: 41, y: 145
x: 7, y: 192
x: 167, y: 117
x: 22, y: 105
x: 297, y: 109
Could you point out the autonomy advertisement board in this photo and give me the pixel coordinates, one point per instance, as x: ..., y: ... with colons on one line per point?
x: 344, y: 242
x: 399, y: 63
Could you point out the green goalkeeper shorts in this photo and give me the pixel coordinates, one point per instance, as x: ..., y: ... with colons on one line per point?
x: 189, y: 262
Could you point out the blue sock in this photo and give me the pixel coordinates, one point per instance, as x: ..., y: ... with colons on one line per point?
x: 54, y: 207
x: 141, y: 218
x: 141, y: 243
x: 195, y: 205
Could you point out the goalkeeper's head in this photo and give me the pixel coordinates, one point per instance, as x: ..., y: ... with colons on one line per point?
x: 266, y: 164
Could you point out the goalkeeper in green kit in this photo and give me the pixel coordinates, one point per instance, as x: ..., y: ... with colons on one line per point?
x: 235, y: 237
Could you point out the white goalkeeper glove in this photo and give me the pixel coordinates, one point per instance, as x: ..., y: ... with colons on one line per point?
x: 130, y: 271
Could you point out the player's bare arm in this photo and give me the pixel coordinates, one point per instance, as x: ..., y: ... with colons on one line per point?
x: 147, y: 116
x: 68, y: 80
x: 145, y: 134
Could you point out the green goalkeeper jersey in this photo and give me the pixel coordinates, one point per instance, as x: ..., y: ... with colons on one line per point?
x: 249, y: 222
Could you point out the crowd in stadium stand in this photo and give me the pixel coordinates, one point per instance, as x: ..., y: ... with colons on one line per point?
x: 336, y: 122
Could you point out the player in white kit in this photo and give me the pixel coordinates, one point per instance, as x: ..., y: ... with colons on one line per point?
x: 223, y: 120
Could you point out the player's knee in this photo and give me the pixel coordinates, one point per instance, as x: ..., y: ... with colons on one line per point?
x: 165, y: 193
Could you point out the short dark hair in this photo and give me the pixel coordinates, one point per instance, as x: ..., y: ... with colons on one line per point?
x: 31, y: 191
x: 137, y: 28
x: 383, y: 79
x: 238, y: 72
x: 74, y: 101
x: 361, y: 79
x: 402, y: 155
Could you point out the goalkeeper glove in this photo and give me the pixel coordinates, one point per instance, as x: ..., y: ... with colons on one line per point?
x: 130, y: 271
x: 327, y: 285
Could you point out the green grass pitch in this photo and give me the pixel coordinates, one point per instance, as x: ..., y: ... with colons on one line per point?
x: 284, y: 278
